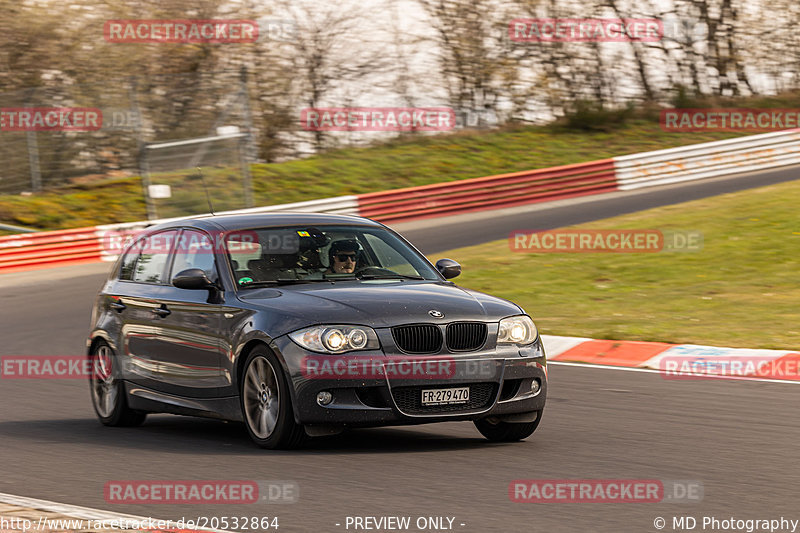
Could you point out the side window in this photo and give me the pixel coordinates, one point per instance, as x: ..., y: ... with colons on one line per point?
x: 153, y: 258
x: 195, y: 250
x: 129, y: 261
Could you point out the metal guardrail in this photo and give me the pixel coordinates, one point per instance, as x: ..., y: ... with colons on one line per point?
x: 340, y: 205
x: 49, y: 248
x: 18, y: 229
x: 505, y: 190
x: 100, y: 243
x: 708, y: 160
x: 694, y: 162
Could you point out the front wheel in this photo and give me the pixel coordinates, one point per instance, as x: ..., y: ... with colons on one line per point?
x: 266, y: 404
x: 108, y: 394
x: 499, y: 431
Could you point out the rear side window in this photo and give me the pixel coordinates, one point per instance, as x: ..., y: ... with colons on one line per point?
x: 153, y: 260
x: 146, y: 260
x: 129, y: 262
x: 195, y: 250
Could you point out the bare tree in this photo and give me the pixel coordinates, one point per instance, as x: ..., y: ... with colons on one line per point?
x: 332, y: 51
x: 475, y: 58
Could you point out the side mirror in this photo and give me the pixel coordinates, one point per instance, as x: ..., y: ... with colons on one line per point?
x: 448, y: 268
x: 193, y: 279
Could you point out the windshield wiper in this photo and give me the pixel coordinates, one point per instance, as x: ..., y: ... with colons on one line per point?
x: 351, y: 277
x: 389, y: 276
x: 272, y: 282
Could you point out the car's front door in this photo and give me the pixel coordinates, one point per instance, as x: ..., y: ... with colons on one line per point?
x: 188, y: 321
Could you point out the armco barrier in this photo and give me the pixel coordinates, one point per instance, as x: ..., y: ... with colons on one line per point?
x: 340, y: 205
x: 30, y: 251
x: 492, y: 192
x: 745, y: 154
x: 708, y: 160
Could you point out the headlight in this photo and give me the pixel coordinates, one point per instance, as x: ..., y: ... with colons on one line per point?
x: 517, y: 330
x: 336, y: 339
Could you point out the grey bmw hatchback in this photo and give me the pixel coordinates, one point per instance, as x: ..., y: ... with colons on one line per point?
x: 303, y: 325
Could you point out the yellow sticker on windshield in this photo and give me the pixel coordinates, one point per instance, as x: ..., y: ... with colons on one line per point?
x: 304, y: 234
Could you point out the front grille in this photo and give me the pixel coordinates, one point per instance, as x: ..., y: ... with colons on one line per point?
x: 466, y: 336
x: 419, y: 339
x: 409, y: 399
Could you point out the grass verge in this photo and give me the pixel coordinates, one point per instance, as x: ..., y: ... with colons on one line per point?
x: 403, y: 162
x: 740, y: 290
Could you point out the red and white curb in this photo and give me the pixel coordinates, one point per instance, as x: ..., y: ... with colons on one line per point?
x: 44, y: 516
x: 676, y: 361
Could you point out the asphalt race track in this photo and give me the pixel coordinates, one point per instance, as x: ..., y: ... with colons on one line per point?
x: 739, y: 439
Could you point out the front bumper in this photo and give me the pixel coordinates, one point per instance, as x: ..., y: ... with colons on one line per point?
x: 388, y: 390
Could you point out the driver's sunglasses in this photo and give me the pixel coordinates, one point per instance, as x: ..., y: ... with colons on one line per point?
x: 345, y: 257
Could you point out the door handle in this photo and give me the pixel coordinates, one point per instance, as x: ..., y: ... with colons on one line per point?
x: 118, y: 306
x: 161, y: 311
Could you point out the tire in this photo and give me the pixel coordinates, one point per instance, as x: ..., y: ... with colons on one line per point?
x: 506, y: 431
x: 266, y: 403
x: 107, y: 391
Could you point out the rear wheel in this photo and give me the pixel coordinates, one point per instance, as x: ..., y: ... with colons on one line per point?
x: 266, y: 404
x: 108, y: 393
x: 499, y: 431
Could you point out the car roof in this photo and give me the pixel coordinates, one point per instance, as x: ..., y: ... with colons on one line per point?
x: 258, y: 220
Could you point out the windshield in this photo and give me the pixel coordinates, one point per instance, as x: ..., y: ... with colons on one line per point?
x: 305, y: 254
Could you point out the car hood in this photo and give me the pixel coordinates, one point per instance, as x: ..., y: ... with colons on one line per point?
x: 378, y: 303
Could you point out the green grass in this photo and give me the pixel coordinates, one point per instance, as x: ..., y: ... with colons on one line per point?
x: 741, y: 290
x: 403, y: 162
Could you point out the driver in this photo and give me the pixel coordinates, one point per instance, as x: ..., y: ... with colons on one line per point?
x: 343, y: 256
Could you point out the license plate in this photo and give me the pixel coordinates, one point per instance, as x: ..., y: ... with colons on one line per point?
x: 445, y: 396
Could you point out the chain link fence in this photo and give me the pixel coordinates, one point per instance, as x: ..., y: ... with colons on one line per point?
x: 160, y: 128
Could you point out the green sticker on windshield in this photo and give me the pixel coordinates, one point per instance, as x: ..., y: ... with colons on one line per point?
x: 242, y: 281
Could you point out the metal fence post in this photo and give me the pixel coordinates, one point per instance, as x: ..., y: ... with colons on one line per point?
x: 33, y: 158
x: 246, y: 152
x: 144, y: 169
x: 247, y: 179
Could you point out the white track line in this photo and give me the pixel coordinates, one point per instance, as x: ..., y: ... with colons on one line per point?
x: 85, y: 513
x: 653, y: 371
